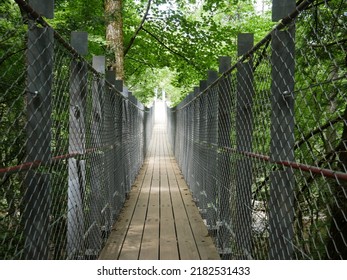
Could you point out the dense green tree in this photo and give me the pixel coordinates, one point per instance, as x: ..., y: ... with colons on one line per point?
x: 169, y: 45
x: 183, y: 36
x: 187, y: 37
x: 321, y: 118
x: 12, y: 119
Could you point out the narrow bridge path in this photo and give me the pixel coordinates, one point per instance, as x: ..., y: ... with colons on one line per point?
x: 160, y: 219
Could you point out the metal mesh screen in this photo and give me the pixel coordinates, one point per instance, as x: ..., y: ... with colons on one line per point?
x: 71, y: 145
x: 263, y: 145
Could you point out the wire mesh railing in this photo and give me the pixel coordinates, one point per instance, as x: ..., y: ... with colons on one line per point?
x: 72, y: 141
x: 263, y: 144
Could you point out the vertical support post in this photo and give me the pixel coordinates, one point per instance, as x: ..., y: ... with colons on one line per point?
x: 187, y: 150
x: 173, y: 128
x: 110, y: 131
x: 126, y: 138
x: 77, y: 168
x: 212, y: 139
x: 141, y: 134
x: 132, y: 149
x: 282, y: 182
x: 100, y: 209
x: 144, y: 129
x: 178, y: 137
x: 121, y: 152
x: 195, y: 145
x: 282, y: 8
x: 43, y: 7
x: 203, y: 149
x: 224, y: 159
x: 184, y: 127
x: 183, y: 151
x: 190, y: 151
x: 117, y: 180
x: 244, y: 133
x: 187, y: 134
x: 36, y: 200
x: 183, y: 124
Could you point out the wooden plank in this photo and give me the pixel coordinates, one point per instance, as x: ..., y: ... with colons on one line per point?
x: 115, y: 241
x: 203, y: 241
x: 168, y: 239
x: 132, y: 243
x: 185, y: 238
x: 163, y: 221
x: 114, y: 244
x: 150, y: 241
x: 205, y: 245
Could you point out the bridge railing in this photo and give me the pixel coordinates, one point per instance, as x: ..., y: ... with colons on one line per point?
x: 263, y: 143
x: 72, y: 140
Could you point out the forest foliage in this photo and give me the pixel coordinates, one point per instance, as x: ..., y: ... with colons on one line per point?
x: 183, y: 38
x: 169, y: 46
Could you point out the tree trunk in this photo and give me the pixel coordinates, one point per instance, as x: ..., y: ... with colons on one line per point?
x: 114, y: 35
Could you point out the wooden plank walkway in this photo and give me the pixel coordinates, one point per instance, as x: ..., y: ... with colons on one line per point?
x: 159, y: 221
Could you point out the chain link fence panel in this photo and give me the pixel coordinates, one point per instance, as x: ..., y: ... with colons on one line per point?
x: 72, y: 142
x: 263, y: 144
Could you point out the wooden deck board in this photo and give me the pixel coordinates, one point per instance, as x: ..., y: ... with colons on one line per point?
x: 160, y: 219
x: 185, y: 238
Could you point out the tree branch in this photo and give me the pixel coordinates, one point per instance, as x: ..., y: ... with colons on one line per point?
x: 342, y: 41
x: 8, y: 55
x: 171, y: 50
x: 306, y: 137
x: 142, y: 61
x: 297, y: 145
x: 132, y: 40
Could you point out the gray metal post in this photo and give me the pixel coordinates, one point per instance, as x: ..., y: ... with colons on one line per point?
x: 77, y: 132
x: 191, y: 124
x: 173, y: 128
x: 36, y: 200
x: 183, y: 130
x: 178, y: 141
x: 244, y: 133
x: 100, y: 208
x: 178, y: 136
x: 110, y: 132
x: 110, y: 136
x: 141, y: 135
x: 132, y: 150
x: 224, y: 159
x: 203, y: 149
x: 121, y: 151
x: 144, y: 127
x: 43, y: 7
x: 212, y: 139
x: 187, y: 134
x: 281, y: 204
x: 282, y: 8
x: 195, y: 145
x: 126, y: 138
